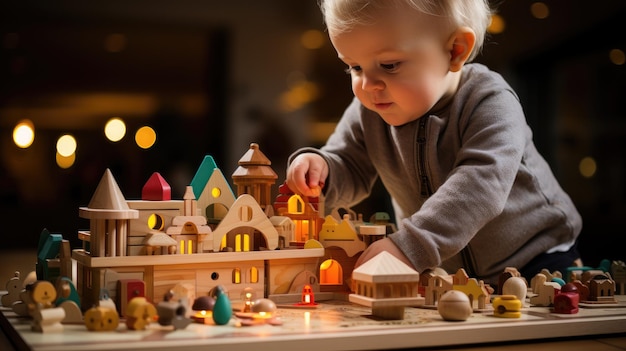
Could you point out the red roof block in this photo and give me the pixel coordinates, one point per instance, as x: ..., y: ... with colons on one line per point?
x: 156, y: 189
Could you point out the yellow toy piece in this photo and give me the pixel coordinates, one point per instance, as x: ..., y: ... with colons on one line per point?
x: 507, y: 306
x: 139, y: 313
x: 101, y: 319
x: 43, y: 293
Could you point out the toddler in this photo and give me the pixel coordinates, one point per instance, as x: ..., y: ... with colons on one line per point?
x: 448, y: 139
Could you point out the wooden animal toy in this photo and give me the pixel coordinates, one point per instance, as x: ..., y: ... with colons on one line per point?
x: 454, y: 305
x: 545, y: 294
x: 13, y: 288
x: 99, y: 318
x: 139, y: 313
x: 25, y: 306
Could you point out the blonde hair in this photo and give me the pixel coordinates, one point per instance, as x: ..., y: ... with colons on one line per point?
x: 343, y: 15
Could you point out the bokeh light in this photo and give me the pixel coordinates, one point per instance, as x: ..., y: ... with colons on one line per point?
x: 497, y: 24
x: 24, y: 134
x: 587, y: 167
x: 312, y: 39
x: 145, y: 137
x: 617, y: 57
x: 115, y: 129
x: 65, y: 161
x: 539, y: 10
x: 66, y: 145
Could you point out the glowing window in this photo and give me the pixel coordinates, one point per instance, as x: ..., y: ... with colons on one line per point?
x: 331, y: 273
x: 155, y: 222
x: 246, y: 242
x: 238, y: 243
x: 223, y: 244
x: 216, y: 192
x: 295, y: 205
x: 254, y: 275
x: 237, y: 276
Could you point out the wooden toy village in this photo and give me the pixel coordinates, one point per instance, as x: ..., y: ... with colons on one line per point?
x: 156, y: 258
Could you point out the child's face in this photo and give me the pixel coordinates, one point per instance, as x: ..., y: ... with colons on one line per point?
x: 399, y: 68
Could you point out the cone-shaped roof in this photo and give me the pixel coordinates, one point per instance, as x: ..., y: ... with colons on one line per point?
x: 108, y: 195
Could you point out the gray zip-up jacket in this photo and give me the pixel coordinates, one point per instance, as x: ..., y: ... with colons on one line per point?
x: 469, y: 188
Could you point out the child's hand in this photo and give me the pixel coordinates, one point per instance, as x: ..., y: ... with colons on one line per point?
x: 306, y: 174
x: 379, y: 246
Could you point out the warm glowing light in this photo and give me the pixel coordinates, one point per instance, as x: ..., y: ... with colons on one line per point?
x: 617, y: 57
x: 312, y: 39
x: 299, y: 95
x: 24, y: 134
x: 115, y: 129
x: 540, y: 10
x: 66, y: 145
x: 145, y: 137
x: 497, y: 24
x: 587, y: 167
x: 65, y: 162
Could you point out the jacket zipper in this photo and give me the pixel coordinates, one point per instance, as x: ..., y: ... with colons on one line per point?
x: 426, y: 190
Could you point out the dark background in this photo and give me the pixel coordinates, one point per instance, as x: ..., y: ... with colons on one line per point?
x: 211, y: 77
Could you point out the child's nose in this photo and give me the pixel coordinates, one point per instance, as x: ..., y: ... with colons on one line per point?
x: 371, y: 82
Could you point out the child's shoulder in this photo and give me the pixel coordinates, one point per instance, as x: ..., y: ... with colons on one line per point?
x: 480, y: 78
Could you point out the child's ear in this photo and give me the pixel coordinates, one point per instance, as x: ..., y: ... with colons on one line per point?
x: 460, y: 46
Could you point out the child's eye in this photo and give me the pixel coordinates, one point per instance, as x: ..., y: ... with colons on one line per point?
x: 390, y: 67
x: 353, y: 69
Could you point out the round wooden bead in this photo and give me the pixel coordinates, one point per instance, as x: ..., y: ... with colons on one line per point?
x: 454, y: 306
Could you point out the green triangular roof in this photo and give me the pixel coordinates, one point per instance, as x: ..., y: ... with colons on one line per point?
x: 202, y: 175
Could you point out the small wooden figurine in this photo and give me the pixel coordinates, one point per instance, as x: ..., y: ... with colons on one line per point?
x: 172, y: 312
x: 99, y: 318
x: 566, y: 301
x: 139, y: 313
x: 13, y: 287
x: 46, y: 317
x: 222, y: 311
